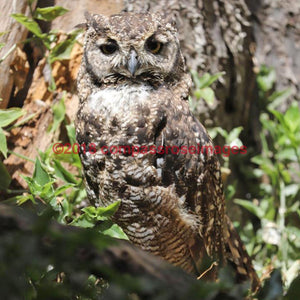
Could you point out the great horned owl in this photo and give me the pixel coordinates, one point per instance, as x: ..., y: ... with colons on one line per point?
x: 133, y: 89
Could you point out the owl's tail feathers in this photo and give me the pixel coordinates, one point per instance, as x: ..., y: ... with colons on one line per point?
x: 238, y: 258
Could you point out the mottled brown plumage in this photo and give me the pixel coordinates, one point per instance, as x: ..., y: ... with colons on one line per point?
x: 133, y: 90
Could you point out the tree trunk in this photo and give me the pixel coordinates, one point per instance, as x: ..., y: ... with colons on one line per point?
x: 215, y: 36
x: 276, y: 28
x: 13, y: 33
x: 236, y: 37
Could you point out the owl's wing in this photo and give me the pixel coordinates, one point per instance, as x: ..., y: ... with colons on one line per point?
x: 238, y: 258
x: 210, y: 207
x: 219, y: 237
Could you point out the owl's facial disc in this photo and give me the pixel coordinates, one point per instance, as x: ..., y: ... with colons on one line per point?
x: 138, y: 47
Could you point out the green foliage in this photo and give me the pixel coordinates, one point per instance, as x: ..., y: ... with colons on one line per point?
x: 46, y: 14
x: 59, y: 111
x: 100, y: 216
x: 63, y: 192
x: 56, y: 50
x: 266, y: 78
x: 276, y: 168
x: 41, y: 260
x: 63, y: 50
x: 202, y: 87
x: 7, y: 116
x: 49, y: 13
x: 276, y: 176
x: 231, y: 138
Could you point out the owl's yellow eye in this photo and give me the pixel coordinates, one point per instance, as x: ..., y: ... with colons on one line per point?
x: 154, y: 46
x: 109, y: 48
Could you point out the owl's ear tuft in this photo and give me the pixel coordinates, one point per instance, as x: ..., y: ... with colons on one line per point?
x: 167, y: 18
x: 170, y: 19
x: 97, y: 22
x: 81, y: 26
x: 89, y: 18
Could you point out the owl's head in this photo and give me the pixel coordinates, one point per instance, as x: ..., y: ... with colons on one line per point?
x: 131, y: 46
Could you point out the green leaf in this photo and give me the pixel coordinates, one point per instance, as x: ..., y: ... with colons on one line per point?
x: 206, y: 80
x: 292, y: 117
x: 266, y: 78
x: 213, y: 132
x: 2, y: 45
x: 10, y: 115
x: 108, y: 211
x: 196, y: 79
x: 52, y: 84
x: 233, y: 137
x: 90, y: 211
x: 59, y: 111
x: 116, y: 232
x: 77, y: 195
x: 102, y: 212
x: 63, y: 188
x: 207, y: 94
x: 40, y: 176
x: 278, y: 97
x: 250, y: 207
x: 291, y: 190
x: 24, y: 198
x: 63, y: 174
x: 83, y: 221
x: 71, y: 133
x: 192, y: 104
x: 5, y: 178
x: 65, y: 210
x: 93, y: 215
x: 286, y: 154
x: 222, y: 132
x: 279, y: 116
x: 30, y: 24
x: 49, y: 13
x: 210, y: 79
x: 63, y: 50
x: 3, y: 144
x: 20, y: 199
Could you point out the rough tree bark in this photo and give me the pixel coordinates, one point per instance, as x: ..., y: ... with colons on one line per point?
x: 13, y: 33
x: 276, y: 28
x: 237, y: 37
x: 215, y: 36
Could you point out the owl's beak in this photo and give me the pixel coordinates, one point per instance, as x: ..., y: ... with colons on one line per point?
x: 133, y: 63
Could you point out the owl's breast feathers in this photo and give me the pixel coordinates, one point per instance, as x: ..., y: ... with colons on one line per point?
x: 171, y: 204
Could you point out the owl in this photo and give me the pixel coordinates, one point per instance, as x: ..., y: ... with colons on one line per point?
x: 133, y: 88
